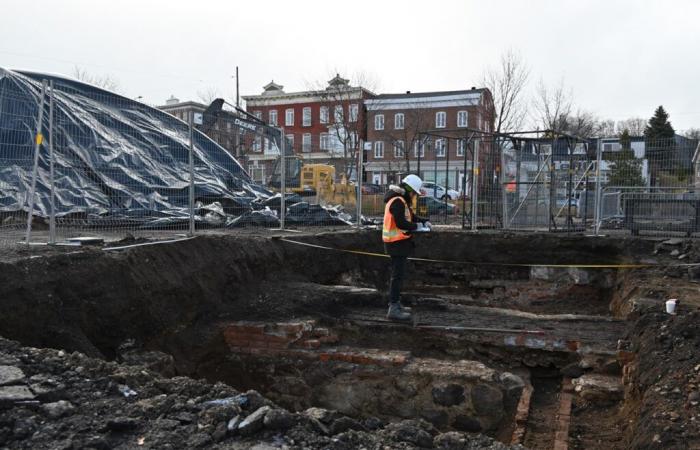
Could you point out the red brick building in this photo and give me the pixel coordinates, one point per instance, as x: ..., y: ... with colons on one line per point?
x: 323, y: 126
x: 394, y: 124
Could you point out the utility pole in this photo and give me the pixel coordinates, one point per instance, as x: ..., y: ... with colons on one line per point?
x: 238, y: 99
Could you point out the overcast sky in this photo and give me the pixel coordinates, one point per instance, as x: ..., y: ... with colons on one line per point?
x: 621, y: 58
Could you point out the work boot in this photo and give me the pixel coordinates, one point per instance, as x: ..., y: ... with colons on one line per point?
x: 398, y: 313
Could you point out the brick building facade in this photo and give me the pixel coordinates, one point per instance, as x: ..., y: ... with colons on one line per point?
x: 394, y: 124
x: 323, y: 126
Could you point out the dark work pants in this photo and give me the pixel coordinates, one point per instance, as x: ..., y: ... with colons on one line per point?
x: 398, y: 269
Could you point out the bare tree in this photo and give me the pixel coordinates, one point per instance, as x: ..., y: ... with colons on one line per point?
x: 692, y: 133
x: 106, y: 82
x: 634, y: 125
x: 346, y: 119
x: 507, y: 83
x: 607, y: 128
x: 208, y: 95
x: 552, y: 107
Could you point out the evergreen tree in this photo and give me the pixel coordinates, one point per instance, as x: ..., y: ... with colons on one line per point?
x: 626, y: 169
x: 660, y: 145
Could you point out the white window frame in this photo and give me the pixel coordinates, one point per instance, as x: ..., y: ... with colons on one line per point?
x: 461, y: 147
x: 306, y: 116
x: 399, y: 149
x: 306, y: 142
x: 257, y: 144
x: 290, y: 138
x: 440, y: 148
x: 462, y: 119
x: 324, y: 141
x: 289, y: 117
x: 418, y: 145
x: 440, y: 119
x: 272, y: 115
x: 399, y: 121
x: 323, y: 114
x: 378, y: 150
x: 379, y: 122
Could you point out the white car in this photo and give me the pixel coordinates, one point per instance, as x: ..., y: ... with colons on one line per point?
x: 435, y: 190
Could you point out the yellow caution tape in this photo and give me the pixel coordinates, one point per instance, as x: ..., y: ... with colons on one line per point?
x: 447, y: 261
x: 39, y: 139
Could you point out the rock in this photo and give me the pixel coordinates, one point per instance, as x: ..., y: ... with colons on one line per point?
x: 467, y: 423
x: 675, y: 252
x: 449, y: 395
x: 278, y: 419
x: 452, y: 440
x: 487, y: 400
x: 11, y: 394
x: 232, y: 425
x: 322, y: 415
x: 254, y: 422
x: 409, y: 431
x: 198, y: 440
x: 318, y: 426
x: 599, y: 388
x: 219, y: 433
x: 573, y: 370
x: 122, y: 424
x: 373, y: 423
x: 694, y: 396
x: 343, y: 424
x: 437, y: 417
x: 10, y: 375
x: 58, y: 409
x: 156, y: 361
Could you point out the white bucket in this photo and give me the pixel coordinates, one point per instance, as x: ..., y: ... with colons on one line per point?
x: 671, y: 305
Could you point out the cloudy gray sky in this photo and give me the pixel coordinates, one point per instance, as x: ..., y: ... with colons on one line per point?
x: 620, y: 58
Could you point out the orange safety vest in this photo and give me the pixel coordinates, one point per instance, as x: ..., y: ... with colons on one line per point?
x: 390, y: 232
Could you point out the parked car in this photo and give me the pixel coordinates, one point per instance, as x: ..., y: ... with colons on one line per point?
x: 368, y: 188
x: 431, y: 189
x: 433, y: 206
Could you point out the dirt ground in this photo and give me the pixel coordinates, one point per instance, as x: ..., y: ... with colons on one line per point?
x: 172, y: 299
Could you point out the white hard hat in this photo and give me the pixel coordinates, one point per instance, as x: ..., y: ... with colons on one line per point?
x: 414, y: 182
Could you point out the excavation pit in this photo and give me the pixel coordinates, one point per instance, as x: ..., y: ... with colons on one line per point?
x: 505, y: 341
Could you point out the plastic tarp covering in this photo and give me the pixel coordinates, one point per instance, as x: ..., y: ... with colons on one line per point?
x: 115, y: 158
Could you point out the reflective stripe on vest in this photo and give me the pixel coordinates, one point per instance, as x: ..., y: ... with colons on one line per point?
x: 390, y: 232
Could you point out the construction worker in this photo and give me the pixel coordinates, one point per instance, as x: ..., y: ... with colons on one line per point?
x: 399, y: 224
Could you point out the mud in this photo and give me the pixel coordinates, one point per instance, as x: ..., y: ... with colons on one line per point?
x: 166, y: 309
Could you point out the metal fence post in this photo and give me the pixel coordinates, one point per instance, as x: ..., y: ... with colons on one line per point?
x: 504, y: 192
x: 598, y: 192
x: 475, y: 185
x: 52, y: 212
x: 191, y: 170
x: 358, y: 198
x: 283, y: 176
x: 39, y: 138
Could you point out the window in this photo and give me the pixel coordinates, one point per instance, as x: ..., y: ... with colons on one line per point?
x: 440, y: 148
x: 440, y: 119
x: 257, y: 173
x: 461, y: 147
x: 273, y: 117
x: 379, y: 150
x: 379, y: 122
x: 354, y: 112
x: 418, y: 146
x: 257, y: 144
x: 325, y: 142
x: 323, y: 114
x: 306, y: 117
x: 258, y: 114
x: 338, y: 114
x: 290, y: 141
x: 462, y: 119
x: 398, y: 149
x: 289, y: 118
x: 306, y: 143
x: 398, y: 121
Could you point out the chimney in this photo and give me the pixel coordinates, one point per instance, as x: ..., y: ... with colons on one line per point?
x: 408, y: 92
x: 172, y: 100
x: 473, y: 88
